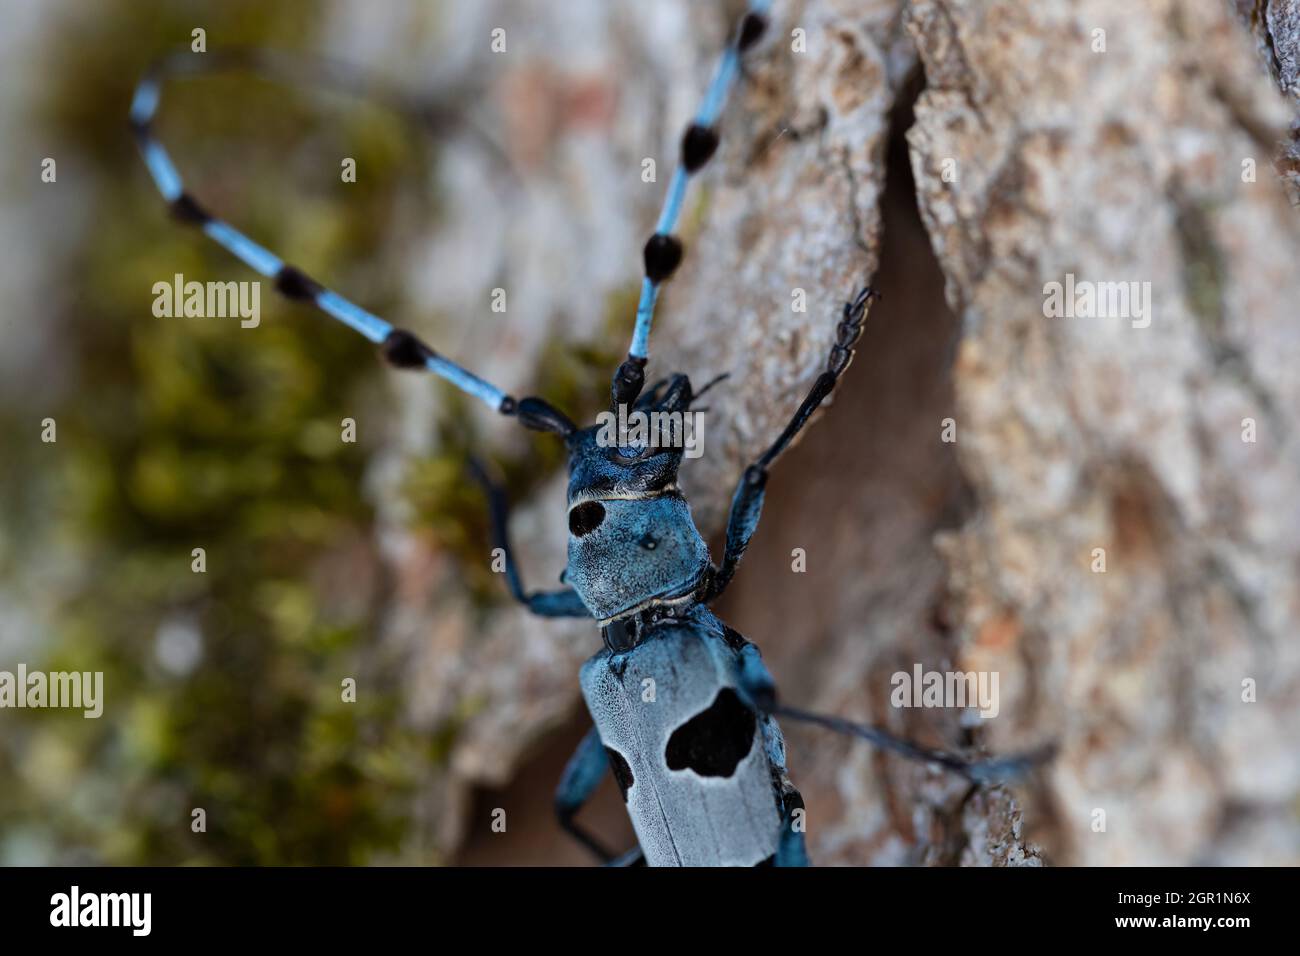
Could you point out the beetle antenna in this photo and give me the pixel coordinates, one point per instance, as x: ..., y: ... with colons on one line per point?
x: 400, y: 348
x: 663, y: 251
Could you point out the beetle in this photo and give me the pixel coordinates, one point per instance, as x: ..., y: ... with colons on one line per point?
x: 700, y: 760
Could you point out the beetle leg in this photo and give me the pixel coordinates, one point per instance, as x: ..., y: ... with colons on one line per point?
x: 791, y: 850
x: 562, y: 603
x: 582, y: 774
x: 747, y: 503
x: 982, y: 771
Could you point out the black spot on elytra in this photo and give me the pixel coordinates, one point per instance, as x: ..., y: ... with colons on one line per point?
x: 586, y: 518
x: 622, y: 772
x: 714, y: 741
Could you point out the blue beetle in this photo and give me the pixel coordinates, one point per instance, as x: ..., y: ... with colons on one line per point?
x: 683, y: 705
x: 684, y: 709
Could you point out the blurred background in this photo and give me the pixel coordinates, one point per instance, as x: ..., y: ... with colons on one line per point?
x: 329, y: 560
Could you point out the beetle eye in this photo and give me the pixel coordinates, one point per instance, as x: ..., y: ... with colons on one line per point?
x: 631, y: 452
x: 627, y: 456
x: 586, y: 518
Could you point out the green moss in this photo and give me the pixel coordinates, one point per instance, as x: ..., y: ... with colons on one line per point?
x: 575, y: 378
x: 197, y: 433
x: 1203, y: 273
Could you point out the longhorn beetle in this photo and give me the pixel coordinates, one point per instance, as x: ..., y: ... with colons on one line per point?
x: 702, y: 768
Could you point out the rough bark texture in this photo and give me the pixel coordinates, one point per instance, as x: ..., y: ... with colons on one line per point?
x: 1086, y: 433
x: 1073, y: 434
x: 1275, y: 25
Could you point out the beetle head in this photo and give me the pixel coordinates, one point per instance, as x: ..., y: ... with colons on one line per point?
x: 632, y: 541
